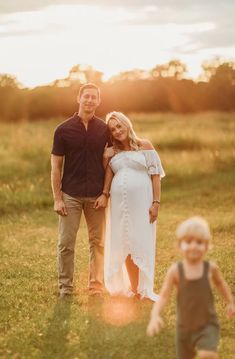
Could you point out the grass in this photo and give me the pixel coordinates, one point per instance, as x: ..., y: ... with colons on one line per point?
x: 198, y: 154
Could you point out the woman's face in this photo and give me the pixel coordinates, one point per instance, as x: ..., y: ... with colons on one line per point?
x: 118, y: 130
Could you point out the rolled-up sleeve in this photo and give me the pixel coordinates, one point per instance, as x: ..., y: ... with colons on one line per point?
x: 58, y: 147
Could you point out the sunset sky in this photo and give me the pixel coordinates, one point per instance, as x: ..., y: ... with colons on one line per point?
x: 40, y: 40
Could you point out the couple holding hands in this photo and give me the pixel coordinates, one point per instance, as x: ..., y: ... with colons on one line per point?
x: 92, y: 160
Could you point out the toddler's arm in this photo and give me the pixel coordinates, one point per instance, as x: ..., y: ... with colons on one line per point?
x: 224, y: 289
x: 156, y: 322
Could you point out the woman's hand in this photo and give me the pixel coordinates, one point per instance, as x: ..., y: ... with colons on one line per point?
x: 101, y: 202
x: 153, y: 212
x: 108, y: 152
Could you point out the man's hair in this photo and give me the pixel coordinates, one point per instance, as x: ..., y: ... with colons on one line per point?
x: 89, y: 85
x: 195, y: 227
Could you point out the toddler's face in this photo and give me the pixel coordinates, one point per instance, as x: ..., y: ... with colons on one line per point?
x: 193, y: 248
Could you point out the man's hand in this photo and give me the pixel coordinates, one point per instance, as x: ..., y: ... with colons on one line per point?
x: 154, y: 326
x: 153, y: 213
x: 101, y: 202
x: 59, y: 207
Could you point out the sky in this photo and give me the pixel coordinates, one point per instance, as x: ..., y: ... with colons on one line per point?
x: 40, y: 40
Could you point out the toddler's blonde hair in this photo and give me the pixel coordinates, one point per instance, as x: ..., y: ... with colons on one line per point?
x: 194, y: 227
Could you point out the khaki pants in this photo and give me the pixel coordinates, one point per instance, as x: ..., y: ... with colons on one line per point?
x: 68, y: 228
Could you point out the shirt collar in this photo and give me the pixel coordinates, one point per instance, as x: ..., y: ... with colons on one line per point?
x: 77, y: 117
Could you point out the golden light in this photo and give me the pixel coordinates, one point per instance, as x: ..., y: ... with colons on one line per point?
x: 44, y: 45
x: 119, y: 311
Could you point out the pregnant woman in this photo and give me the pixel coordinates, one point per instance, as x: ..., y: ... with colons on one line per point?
x: 133, y: 180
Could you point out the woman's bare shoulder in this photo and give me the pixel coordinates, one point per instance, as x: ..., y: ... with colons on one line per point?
x: 146, y: 144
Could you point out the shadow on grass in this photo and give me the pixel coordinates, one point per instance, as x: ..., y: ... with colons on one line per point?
x: 55, y: 343
x: 117, y: 329
x: 108, y: 320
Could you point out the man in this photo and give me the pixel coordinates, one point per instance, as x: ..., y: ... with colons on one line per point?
x: 77, y: 150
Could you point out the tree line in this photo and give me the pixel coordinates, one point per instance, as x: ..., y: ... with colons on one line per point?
x: 163, y: 88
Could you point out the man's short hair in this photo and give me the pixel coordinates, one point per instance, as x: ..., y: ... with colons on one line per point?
x: 89, y: 85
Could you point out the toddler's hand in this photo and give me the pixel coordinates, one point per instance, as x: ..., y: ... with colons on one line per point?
x: 154, y: 326
x: 230, y: 310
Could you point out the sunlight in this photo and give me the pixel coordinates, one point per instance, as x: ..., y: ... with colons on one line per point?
x: 119, y: 311
x: 49, y: 42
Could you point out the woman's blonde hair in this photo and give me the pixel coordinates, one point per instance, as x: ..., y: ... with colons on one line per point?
x: 134, y: 142
x: 195, y: 227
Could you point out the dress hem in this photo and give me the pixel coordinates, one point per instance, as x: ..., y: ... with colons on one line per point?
x: 128, y: 292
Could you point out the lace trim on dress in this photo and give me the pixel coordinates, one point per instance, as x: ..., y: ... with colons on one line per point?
x: 153, y: 163
x: 130, y: 156
x: 140, y: 262
x: 144, y: 267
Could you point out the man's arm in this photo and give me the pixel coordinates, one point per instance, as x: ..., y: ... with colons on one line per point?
x: 56, y: 174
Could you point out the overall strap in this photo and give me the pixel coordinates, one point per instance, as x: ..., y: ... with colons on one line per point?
x: 181, y: 270
x: 206, y: 266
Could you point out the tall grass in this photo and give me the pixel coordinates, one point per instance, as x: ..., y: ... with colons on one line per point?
x: 198, y: 155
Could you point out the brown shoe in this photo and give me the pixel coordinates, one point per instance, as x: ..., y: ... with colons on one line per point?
x: 95, y: 293
x: 65, y: 296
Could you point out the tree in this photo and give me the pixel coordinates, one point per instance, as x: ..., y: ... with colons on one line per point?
x: 78, y: 75
x: 174, y: 69
x: 225, y: 73
x: 12, y: 99
x: 159, y: 71
x: 83, y: 74
x: 131, y: 75
x: 219, y: 70
x: 9, y: 81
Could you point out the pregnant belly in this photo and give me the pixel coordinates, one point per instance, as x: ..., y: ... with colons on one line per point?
x: 131, y: 181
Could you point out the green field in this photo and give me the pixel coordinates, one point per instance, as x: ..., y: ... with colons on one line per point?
x: 198, y: 155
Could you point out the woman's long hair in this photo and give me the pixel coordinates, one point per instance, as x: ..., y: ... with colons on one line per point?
x: 134, y: 141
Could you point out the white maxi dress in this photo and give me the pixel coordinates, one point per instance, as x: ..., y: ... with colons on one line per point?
x: 128, y: 230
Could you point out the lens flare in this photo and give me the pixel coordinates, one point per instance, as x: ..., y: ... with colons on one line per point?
x: 119, y: 311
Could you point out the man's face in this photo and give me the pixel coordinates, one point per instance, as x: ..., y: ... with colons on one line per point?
x: 89, y: 100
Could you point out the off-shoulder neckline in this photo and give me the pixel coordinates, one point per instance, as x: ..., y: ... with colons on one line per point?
x: 153, y: 150
x: 139, y: 151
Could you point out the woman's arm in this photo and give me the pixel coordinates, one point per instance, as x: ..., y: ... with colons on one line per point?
x: 102, y: 200
x: 156, y: 185
x: 107, y: 155
x: 108, y: 180
x: 224, y: 289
